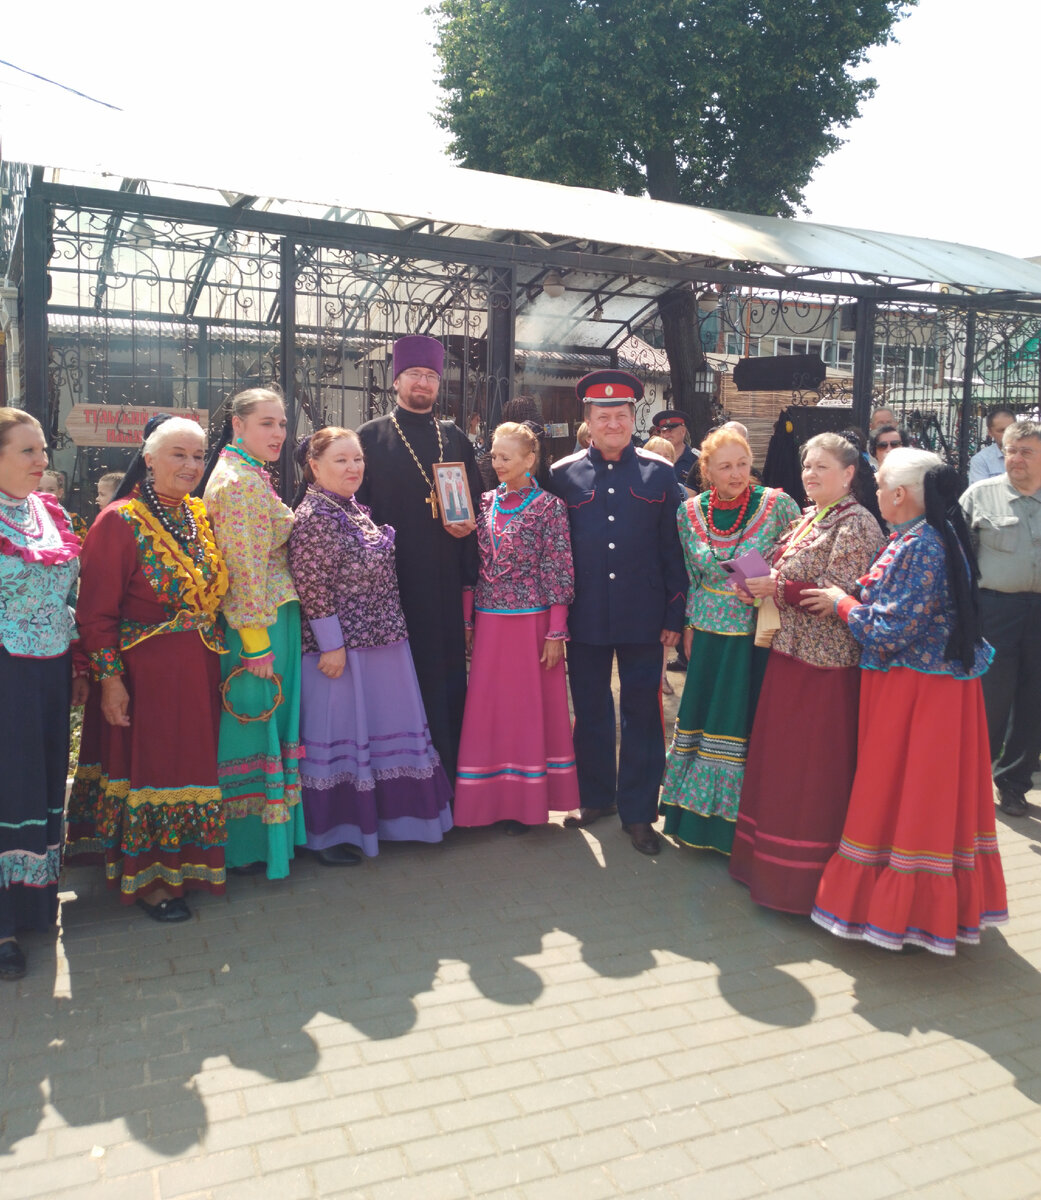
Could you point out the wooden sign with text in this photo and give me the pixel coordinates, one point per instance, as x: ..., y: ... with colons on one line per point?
x: 119, y: 424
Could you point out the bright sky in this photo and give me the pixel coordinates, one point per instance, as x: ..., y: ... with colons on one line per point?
x: 948, y: 148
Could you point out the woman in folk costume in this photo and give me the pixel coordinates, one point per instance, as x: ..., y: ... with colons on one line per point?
x: 516, y: 757
x: 39, y: 562
x: 146, y: 800
x: 370, y: 771
x: 259, y: 770
x: 705, y: 764
x: 918, y: 862
x: 793, y: 802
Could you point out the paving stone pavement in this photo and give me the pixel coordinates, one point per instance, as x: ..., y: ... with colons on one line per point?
x: 537, y: 1017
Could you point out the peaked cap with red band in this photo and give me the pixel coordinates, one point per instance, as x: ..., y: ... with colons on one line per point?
x: 608, y: 388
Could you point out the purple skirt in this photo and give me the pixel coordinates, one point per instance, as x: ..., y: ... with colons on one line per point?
x: 370, y: 770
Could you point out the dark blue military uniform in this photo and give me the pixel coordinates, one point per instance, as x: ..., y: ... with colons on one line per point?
x: 630, y: 584
x: 684, y: 462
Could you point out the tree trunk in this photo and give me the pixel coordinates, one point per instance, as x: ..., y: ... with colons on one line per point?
x: 679, y: 311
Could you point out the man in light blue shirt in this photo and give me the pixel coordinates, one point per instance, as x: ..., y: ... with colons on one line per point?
x: 1004, y: 518
x: 989, y: 460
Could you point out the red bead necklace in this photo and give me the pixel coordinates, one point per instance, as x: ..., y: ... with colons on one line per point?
x: 714, y: 502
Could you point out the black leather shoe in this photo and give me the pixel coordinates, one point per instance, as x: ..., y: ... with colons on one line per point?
x: 12, y: 961
x: 589, y: 816
x: 643, y: 837
x: 1012, y: 805
x: 339, y: 856
x: 167, y: 912
x: 254, y: 868
x: 515, y: 828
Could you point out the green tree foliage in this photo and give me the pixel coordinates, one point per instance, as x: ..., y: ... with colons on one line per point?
x: 724, y: 103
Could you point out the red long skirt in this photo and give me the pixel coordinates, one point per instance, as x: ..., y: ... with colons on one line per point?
x: 801, y: 758
x: 918, y: 862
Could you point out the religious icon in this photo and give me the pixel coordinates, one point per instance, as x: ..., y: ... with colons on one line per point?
x: 453, y: 493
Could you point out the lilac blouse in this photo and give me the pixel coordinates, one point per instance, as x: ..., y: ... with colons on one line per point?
x: 343, y: 568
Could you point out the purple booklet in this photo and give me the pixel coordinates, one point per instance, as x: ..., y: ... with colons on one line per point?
x: 747, y: 566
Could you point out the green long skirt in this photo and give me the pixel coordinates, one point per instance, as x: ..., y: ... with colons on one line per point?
x: 258, y: 763
x: 706, y: 761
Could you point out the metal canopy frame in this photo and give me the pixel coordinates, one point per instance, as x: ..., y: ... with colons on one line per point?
x: 521, y: 250
x: 612, y: 289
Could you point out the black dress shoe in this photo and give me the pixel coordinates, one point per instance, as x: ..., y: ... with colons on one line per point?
x: 515, y: 828
x: 589, y: 816
x: 339, y: 856
x: 1012, y: 805
x: 643, y: 837
x: 167, y: 912
x: 12, y: 961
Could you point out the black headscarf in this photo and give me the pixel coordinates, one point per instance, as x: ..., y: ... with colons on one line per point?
x: 218, y: 446
x: 942, y: 487
x: 864, y: 486
x: 300, y: 458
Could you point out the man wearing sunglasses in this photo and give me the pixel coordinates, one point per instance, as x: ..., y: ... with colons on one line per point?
x: 672, y: 425
x: 882, y: 440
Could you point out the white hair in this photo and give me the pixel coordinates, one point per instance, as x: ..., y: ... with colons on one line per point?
x: 906, y: 467
x: 175, y: 426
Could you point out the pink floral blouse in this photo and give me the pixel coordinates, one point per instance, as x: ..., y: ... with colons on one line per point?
x: 838, y: 549
x: 526, y: 562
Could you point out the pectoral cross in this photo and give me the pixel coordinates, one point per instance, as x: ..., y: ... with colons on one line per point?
x: 432, y: 501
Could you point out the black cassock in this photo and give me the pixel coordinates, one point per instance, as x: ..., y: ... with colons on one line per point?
x: 433, y: 566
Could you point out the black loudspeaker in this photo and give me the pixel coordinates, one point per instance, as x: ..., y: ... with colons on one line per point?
x: 785, y: 372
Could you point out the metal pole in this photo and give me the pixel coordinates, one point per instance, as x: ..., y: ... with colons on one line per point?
x: 501, y: 316
x: 287, y: 361
x: 965, y: 420
x: 34, y: 301
x: 864, y: 364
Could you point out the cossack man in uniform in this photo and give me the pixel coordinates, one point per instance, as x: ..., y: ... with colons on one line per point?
x: 672, y: 425
x: 630, y: 593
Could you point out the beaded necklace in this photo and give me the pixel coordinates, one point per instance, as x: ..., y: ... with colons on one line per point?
x: 253, y: 462
x: 184, y: 532
x: 714, y: 503
x: 508, y: 514
x: 31, y: 525
x: 804, y: 530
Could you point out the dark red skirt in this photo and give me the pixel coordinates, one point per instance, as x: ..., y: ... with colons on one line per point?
x: 145, y: 800
x: 918, y: 862
x: 802, y: 754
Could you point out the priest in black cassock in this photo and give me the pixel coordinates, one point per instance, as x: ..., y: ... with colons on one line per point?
x: 434, y: 563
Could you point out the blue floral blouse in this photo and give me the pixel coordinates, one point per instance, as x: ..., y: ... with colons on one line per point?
x: 904, y: 614
x: 39, y: 563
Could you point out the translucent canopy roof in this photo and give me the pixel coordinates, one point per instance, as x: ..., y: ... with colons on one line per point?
x: 81, y: 142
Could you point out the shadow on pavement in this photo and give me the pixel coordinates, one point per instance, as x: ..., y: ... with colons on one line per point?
x: 150, y: 1025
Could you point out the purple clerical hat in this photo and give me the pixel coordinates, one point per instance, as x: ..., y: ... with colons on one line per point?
x: 418, y: 351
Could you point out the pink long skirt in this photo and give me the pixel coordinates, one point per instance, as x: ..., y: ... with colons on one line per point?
x: 516, y: 756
